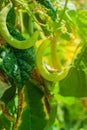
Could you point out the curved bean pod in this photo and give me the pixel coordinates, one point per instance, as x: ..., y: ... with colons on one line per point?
x: 41, y: 66
x: 9, y: 38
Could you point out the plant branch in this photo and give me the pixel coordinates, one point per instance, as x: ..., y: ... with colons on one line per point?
x: 62, y: 15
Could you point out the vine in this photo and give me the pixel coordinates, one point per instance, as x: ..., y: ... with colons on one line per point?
x: 43, y: 65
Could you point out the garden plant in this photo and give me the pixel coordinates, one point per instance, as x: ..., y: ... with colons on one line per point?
x: 43, y: 65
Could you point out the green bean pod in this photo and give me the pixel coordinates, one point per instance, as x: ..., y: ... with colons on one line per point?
x: 9, y: 38
x: 41, y: 66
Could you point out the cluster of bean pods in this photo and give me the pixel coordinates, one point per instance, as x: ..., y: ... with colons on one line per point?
x: 25, y: 44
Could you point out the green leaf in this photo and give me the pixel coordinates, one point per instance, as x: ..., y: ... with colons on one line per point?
x: 9, y: 64
x: 82, y: 23
x: 82, y: 15
x: 3, y: 87
x: 75, y: 83
x: 17, y: 64
x: 52, y: 115
x: 8, y: 113
x: 9, y: 94
x: 51, y: 10
x: 26, y: 63
x: 33, y: 115
x: 11, y: 17
x: 4, y: 123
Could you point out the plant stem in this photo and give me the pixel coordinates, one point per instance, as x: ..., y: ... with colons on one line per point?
x: 40, y: 29
x: 54, y: 56
x: 62, y: 15
x: 30, y: 24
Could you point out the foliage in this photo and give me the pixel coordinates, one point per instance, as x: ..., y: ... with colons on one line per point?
x: 40, y: 85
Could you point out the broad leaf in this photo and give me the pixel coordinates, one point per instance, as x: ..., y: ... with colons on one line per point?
x: 75, y: 83
x: 82, y: 23
x: 33, y: 115
x: 4, y: 123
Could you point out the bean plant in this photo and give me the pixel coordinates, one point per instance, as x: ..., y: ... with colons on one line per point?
x: 43, y: 64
